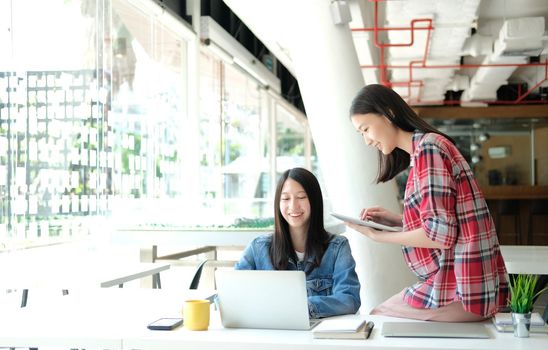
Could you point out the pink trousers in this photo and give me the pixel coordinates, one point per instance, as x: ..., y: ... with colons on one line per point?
x: 396, y: 307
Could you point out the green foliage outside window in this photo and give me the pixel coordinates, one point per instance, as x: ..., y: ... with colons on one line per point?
x: 292, y: 142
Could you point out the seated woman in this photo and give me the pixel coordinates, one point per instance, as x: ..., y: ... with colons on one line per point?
x: 300, y: 242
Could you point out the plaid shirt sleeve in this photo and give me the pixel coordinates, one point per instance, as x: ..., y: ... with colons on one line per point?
x: 437, y: 191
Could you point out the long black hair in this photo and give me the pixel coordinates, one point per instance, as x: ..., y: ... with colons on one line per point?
x: 381, y: 100
x: 317, y: 238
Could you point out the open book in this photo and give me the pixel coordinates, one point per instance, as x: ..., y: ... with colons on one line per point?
x: 343, y: 328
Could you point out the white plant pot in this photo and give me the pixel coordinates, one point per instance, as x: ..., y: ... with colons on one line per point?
x: 522, y: 324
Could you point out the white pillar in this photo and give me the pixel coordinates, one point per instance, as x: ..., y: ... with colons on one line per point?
x: 329, y: 76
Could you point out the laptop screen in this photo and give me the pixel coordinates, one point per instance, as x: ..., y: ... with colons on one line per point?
x: 262, y: 299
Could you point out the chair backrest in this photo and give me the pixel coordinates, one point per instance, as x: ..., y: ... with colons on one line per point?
x: 196, y: 279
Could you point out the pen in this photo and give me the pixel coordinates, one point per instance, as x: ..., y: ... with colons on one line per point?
x: 369, y: 327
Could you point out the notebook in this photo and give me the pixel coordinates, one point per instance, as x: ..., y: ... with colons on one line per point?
x: 263, y: 299
x: 434, y: 330
x: 343, y: 328
x: 368, y: 223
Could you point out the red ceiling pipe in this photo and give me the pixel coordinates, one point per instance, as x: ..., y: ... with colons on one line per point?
x: 491, y: 102
x: 405, y: 83
x: 461, y: 66
x: 383, y: 66
x: 381, y: 46
x: 417, y: 84
x: 422, y: 63
x: 386, y: 29
x: 384, y: 80
x: 412, y: 42
x: 520, y: 98
x: 458, y: 66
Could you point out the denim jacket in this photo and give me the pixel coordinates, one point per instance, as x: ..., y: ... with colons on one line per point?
x: 333, y: 287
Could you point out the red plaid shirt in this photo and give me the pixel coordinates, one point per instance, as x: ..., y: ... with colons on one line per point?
x: 443, y: 197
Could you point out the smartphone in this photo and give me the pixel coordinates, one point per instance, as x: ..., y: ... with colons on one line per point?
x: 165, y: 324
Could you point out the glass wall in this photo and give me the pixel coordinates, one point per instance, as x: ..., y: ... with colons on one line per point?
x: 95, y: 123
x: 235, y: 147
x: 290, y: 139
x: 53, y: 98
x: 147, y: 116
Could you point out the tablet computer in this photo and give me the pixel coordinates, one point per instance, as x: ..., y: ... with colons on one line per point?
x: 368, y: 223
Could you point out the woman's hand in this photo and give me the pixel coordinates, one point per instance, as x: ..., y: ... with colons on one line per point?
x: 415, y: 238
x: 382, y: 216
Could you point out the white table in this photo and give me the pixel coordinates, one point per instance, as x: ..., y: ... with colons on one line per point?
x: 117, y: 319
x: 96, y: 318
x: 227, y: 339
x: 525, y: 259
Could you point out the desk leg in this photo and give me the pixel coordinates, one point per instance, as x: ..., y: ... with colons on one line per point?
x: 24, y: 297
x: 156, y: 282
x: 148, y: 255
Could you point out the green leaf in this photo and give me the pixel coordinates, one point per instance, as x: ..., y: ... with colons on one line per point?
x: 522, y: 293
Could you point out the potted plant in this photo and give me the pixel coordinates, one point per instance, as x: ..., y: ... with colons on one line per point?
x: 522, y: 294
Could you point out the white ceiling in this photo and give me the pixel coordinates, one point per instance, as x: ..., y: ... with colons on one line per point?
x: 452, y: 22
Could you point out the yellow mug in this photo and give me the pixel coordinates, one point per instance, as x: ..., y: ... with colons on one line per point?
x: 196, y: 315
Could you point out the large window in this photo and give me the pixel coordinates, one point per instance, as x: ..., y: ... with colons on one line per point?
x: 53, y: 95
x: 147, y: 117
x: 91, y: 118
x: 291, y: 132
x: 236, y: 166
x: 96, y: 121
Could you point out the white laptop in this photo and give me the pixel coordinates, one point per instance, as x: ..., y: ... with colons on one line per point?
x: 434, y: 330
x: 263, y: 299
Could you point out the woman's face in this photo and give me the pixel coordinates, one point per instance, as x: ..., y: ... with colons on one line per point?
x: 377, y: 131
x: 294, y: 204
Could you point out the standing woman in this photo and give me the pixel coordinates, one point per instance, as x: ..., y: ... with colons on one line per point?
x: 300, y: 242
x: 448, y: 238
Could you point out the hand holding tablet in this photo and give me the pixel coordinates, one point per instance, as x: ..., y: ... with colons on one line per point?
x: 371, y: 224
